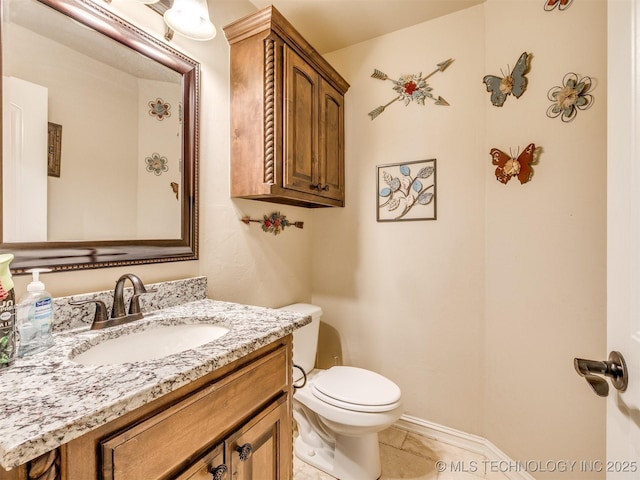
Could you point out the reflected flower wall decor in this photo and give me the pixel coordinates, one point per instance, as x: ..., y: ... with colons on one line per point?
x: 157, y: 164
x: 159, y: 109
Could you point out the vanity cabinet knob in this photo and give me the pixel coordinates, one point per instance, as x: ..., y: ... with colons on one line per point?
x: 244, y: 451
x: 218, y: 472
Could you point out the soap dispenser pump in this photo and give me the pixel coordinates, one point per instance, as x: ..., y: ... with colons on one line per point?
x: 35, y: 317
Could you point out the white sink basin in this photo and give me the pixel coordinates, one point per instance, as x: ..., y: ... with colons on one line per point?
x: 156, y: 342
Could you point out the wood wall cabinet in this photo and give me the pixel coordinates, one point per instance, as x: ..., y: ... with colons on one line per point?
x: 235, y: 423
x: 287, y: 115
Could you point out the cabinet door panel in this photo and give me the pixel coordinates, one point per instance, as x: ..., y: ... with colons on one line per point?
x: 210, y: 466
x: 301, y: 93
x: 331, y: 158
x: 143, y: 451
x: 262, y: 448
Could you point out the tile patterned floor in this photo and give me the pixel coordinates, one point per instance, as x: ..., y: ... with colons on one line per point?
x: 411, y: 456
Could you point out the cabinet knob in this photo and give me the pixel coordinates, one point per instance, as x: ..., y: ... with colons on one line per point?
x: 218, y: 472
x: 244, y: 451
x: 318, y: 186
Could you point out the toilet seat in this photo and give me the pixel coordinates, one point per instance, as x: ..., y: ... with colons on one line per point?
x: 356, y: 389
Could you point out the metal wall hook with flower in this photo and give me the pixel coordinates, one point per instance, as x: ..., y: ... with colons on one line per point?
x: 572, y: 96
x: 273, y: 223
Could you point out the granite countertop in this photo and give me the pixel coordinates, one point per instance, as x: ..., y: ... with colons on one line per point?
x: 48, y: 400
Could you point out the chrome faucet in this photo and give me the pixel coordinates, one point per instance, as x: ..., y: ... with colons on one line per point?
x: 119, y: 316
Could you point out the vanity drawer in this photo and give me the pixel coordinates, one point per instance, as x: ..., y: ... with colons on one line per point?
x: 160, y: 446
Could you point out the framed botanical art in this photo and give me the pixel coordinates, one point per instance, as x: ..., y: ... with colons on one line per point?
x: 406, y: 191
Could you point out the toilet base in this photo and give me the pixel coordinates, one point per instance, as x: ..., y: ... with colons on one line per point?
x: 349, y: 458
x: 339, y: 441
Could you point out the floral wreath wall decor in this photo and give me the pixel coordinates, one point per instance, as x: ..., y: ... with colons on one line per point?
x: 514, y: 83
x: 406, y: 191
x: 411, y: 88
x: 508, y: 166
x: 159, y: 109
x: 561, y: 4
x: 572, y: 96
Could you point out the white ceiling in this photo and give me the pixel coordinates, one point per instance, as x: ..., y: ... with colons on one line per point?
x: 330, y: 25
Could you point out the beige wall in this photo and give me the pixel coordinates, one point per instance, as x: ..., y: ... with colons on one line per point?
x: 159, y: 210
x: 407, y: 297
x: 477, y: 316
x: 546, y: 242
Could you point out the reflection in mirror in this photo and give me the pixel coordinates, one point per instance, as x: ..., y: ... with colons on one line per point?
x: 99, y: 140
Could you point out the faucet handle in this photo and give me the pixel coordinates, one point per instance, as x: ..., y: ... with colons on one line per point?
x: 100, y: 314
x: 134, y: 306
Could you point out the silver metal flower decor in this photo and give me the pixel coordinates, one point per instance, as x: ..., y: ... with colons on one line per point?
x: 403, y: 195
x: 572, y: 96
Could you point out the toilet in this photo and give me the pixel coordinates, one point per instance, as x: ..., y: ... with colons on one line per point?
x: 338, y: 411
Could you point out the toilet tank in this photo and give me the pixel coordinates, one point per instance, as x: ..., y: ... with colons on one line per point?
x: 305, y: 339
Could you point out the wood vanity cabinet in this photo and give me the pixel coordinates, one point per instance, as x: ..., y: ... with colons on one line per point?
x: 235, y: 423
x: 287, y: 115
x: 253, y: 453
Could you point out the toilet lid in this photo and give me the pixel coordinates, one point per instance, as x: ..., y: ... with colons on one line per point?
x: 356, y: 389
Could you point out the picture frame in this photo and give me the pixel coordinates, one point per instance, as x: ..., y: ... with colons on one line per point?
x: 54, y: 149
x: 406, y: 191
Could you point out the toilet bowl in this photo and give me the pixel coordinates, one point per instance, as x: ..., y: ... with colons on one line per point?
x: 339, y: 411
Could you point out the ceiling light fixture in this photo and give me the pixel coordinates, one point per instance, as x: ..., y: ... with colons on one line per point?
x: 190, y: 18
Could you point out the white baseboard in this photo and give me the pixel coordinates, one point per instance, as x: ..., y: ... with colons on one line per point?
x: 468, y: 441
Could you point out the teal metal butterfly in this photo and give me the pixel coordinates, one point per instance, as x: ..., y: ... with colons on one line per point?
x: 515, y: 83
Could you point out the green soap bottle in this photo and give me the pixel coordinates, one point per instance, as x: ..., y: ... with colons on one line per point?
x: 7, y: 313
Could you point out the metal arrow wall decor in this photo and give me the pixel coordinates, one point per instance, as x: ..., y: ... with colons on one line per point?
x: 411, y: 88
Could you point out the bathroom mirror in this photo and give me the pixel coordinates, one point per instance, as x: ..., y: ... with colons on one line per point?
x: 99, y: 146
